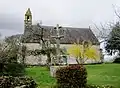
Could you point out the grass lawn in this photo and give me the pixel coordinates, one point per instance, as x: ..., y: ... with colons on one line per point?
x: 103, y: 74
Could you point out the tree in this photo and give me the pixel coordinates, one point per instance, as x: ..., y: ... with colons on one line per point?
x: 14, y: 45
x: 83, y: 52
x: 39, y: 35
x: 110, y: 33
x: 9, y: 50
x: 23, y: 53
x: 113, y: 42
x: 48, y: 52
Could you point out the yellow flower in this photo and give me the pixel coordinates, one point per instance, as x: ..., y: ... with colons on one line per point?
x: 81, y: 52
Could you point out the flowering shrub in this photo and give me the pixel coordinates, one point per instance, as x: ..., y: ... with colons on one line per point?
x: 12, y: 82
x: 74, y: 76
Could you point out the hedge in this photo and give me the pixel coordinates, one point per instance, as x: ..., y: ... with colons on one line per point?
x: 74, y: 76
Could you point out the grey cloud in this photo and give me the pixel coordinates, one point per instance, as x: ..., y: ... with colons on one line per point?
x: 11, y: 22
x: 76, y: 13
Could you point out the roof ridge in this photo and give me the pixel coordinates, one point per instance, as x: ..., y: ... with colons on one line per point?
x: 65, y: 27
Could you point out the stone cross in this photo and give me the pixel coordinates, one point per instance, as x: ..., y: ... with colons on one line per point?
x: 57, y: 38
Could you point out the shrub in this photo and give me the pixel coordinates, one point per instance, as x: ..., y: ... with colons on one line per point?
x: 12, y: 82
x: 72, y: 77
x: 12, y: 69
x: 98, y: 86
x: 117, y: 60
x: 90, y: 86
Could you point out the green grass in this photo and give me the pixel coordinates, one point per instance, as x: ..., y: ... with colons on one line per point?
x: 42, y: 76
x: 103, y: 74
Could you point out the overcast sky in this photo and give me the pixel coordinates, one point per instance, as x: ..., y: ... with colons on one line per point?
x: 74, y: 13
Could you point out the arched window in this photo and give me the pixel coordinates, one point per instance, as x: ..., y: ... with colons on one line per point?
x: 28, y: 17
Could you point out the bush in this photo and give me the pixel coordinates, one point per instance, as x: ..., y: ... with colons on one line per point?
x: 12, y: 69
x: 90, y: 86
x: 72, y: 77
x: 97, y: 86
x: 117, y: 60
x: 12, y: 82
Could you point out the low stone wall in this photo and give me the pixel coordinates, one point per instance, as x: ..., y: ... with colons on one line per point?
x: 53, y: 70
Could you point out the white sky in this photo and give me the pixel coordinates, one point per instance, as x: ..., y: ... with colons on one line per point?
x: 74, y: 13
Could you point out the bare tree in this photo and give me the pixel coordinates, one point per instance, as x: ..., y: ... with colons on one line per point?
x: 38, y: 35
x: 104, y: 31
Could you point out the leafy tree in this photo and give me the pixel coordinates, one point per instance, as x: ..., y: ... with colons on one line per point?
x: 83, y: 52
x: 113, y: 42
x: 9, y: 50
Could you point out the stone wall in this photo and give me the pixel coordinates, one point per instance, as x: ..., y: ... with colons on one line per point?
x: 41, y: 60
x: 35, y: 60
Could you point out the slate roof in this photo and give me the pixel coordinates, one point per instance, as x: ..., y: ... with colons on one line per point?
x: 70, y: 34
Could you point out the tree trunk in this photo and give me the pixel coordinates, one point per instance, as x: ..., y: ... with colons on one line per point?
x: 1, y: 67
x: 48, y: 60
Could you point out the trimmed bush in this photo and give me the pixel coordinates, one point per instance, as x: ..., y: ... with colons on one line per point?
x: 12, y: 82
x: 117, y: 60
x: 74, y: 76
x: 12, y: 69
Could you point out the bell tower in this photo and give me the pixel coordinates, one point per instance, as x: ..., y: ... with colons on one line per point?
x: 27, y: 23
x: 28, y: 18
